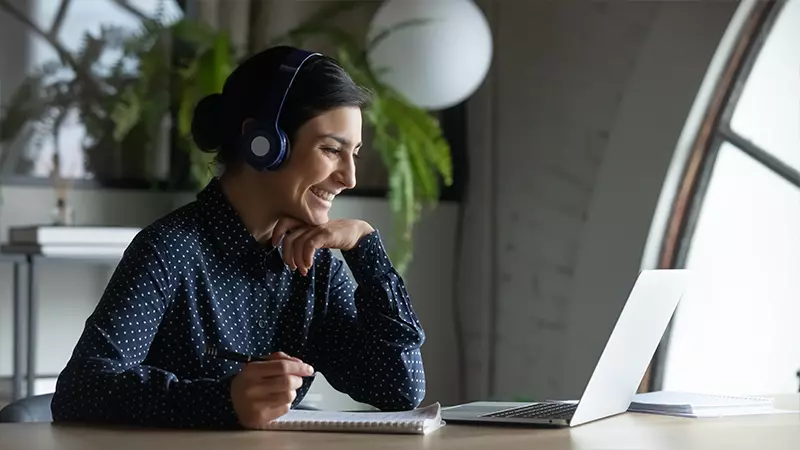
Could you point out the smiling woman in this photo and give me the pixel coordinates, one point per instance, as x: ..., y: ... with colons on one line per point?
x: 310, y: 161
x: 248, y: 268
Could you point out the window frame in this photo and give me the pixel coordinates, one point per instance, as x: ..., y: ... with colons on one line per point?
x: 714, y: 131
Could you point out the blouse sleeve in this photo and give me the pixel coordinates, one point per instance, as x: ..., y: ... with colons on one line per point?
x: 369, y: 345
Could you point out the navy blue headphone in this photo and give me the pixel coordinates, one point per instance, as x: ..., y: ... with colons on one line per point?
x: 266, y: 146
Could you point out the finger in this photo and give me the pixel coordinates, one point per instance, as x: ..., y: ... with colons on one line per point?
x: 290, y: 242
x: 304, y: 249
x: 282, y: 355
x: 277, y: 355
x: 280, y: 398
x: 283, y: 383
x: 325, y: 238
x: 283, y: 226
x: 280, y: 367
x: 274, y: 391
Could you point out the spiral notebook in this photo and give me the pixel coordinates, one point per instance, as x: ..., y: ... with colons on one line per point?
x: 418, y: 421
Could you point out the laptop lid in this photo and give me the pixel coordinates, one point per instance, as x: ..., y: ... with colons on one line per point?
x: 632, y: 344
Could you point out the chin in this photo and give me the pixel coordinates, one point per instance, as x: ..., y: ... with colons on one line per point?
x: 315, y: 212
x: 319, y: 219
x: 313, y: 218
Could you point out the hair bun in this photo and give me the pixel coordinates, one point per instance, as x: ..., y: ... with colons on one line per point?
x: 207, y: 124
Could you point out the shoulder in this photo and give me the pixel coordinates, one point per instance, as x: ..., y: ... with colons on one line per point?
x: 172, y: 235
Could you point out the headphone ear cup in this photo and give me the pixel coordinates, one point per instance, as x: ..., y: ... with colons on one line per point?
x: 285, y: 148
x: 260, y: 149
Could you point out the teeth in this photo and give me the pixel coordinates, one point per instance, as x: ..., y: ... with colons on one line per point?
x: 325, y: 195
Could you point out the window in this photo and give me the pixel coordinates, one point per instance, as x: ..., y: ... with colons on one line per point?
x: 737, y: 332
x: 67, y: 24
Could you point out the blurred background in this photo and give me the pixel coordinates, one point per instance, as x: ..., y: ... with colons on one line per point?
x: 527, y: 160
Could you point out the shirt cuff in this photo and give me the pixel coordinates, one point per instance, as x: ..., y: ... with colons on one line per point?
x: 226, y: 411
x: 368, y: 260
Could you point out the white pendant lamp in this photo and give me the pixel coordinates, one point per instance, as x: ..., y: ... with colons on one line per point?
x: 436, y: 64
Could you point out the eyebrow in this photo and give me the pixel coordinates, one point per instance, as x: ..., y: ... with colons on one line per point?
x: 341, y: 140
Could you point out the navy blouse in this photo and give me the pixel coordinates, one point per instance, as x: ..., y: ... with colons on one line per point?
x: 197, y: 278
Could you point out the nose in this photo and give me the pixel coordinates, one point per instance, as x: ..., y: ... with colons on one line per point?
x: 346, y: 175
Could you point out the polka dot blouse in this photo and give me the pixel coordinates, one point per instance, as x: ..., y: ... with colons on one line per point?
x: 197, y: 278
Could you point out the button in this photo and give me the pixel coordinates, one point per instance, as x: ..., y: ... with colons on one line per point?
x: 262, y: 323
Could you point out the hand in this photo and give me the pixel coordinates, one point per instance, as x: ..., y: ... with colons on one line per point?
x: 265, y: 390
x: 301, y: 240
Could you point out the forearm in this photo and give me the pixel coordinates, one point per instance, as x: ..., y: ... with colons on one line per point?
x: 373, y: 344
x: 92, y: 390
x: 384, y: 309
x: 389, y: 381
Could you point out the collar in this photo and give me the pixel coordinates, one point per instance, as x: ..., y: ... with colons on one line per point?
x: 227, y: 230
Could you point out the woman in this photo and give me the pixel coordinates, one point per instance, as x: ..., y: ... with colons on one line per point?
x: 248, y: 268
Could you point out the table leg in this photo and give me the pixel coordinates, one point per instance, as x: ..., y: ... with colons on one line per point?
x: 16, y: 389
x: 33, y: 309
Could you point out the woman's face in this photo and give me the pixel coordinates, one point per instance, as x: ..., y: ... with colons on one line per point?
x: 321, y: 165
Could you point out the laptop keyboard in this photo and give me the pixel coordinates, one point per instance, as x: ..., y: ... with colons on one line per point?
x: 551, y: 410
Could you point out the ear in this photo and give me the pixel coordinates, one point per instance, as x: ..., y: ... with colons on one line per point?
x: 247, y: 125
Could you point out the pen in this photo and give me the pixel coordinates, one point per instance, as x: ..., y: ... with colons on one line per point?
x: 231, y: 356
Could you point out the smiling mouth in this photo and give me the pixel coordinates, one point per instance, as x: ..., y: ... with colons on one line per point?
x: 323, y: 194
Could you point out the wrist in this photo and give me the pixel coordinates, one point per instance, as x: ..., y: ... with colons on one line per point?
x: 368, y: 260
x: 365, y: 229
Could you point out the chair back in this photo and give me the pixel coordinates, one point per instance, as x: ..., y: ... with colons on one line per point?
x: 29, y: 409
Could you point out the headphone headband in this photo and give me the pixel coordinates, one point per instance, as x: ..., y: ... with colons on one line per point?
x: 266, y: 147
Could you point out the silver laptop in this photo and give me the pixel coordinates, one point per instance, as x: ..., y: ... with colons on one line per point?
x: 618, y: 372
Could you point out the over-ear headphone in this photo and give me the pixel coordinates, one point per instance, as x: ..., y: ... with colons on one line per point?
x: 265, y: 146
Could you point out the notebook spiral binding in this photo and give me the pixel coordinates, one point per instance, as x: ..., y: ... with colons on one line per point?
x: 332, y: 425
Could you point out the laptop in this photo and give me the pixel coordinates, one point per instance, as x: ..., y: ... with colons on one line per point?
x: 618, y: 372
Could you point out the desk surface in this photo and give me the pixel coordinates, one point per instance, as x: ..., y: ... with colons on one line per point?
x: 626, y: 431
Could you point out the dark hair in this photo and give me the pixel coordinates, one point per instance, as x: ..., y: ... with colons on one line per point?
x: 321, y: 84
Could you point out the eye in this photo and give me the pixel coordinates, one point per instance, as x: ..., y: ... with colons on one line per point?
x: 331, y: 150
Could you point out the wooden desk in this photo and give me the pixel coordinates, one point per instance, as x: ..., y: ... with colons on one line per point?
x: 627, y: 431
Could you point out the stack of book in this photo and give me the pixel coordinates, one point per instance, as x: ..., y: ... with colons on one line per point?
x: 70, y: 241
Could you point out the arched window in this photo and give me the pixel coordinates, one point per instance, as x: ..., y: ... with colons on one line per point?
x: 736, y: 223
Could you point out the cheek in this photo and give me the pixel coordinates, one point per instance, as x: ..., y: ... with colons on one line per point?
x: 315, y: 170
x: 301, y: 173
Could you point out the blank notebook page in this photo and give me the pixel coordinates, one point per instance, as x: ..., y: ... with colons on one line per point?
x: 417, y: 421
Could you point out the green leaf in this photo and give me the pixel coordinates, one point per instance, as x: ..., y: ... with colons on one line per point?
x: 126, y: 114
